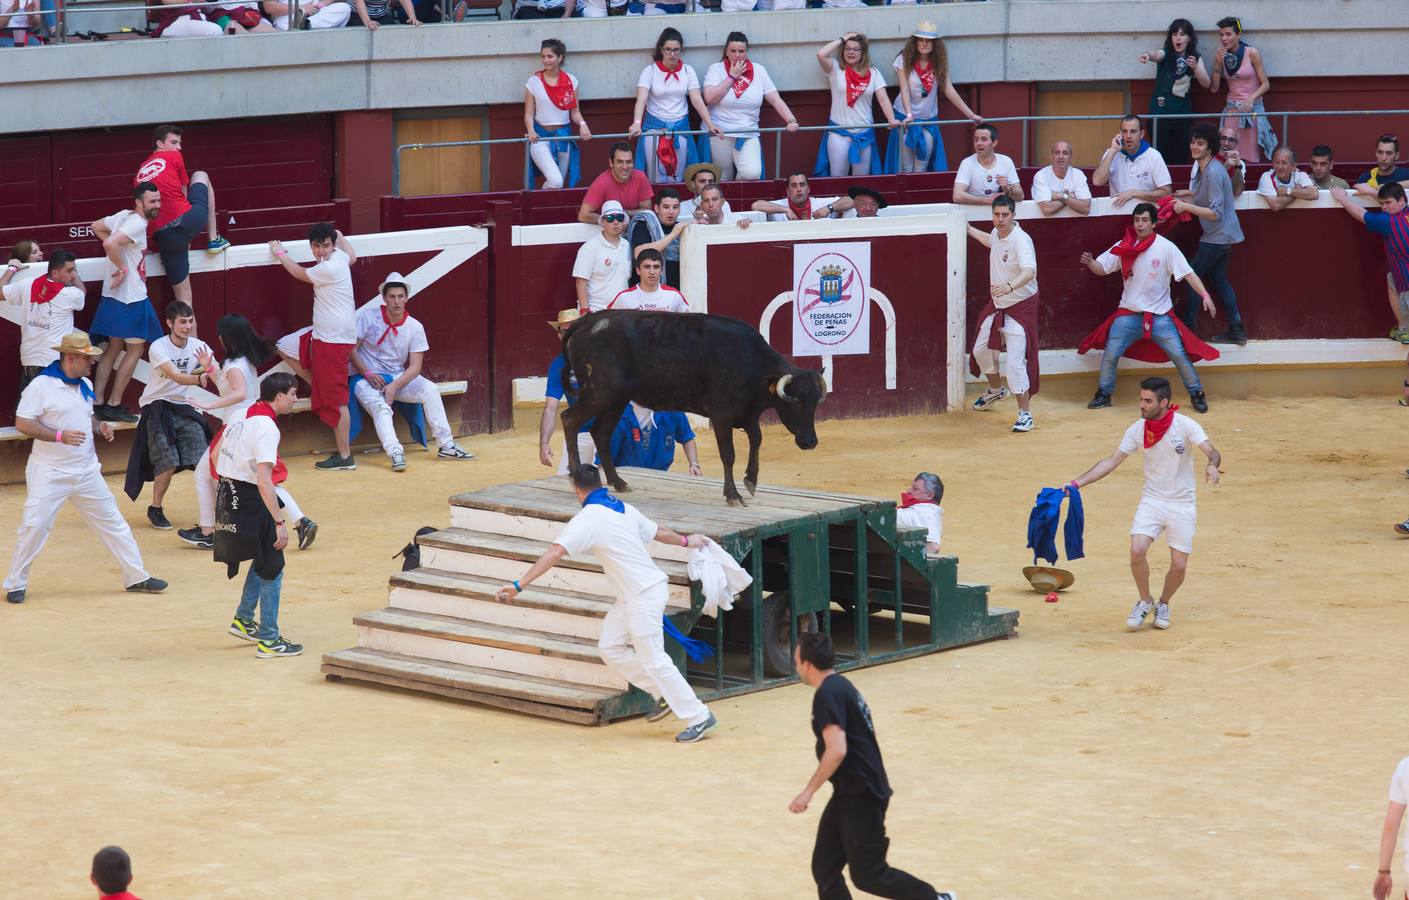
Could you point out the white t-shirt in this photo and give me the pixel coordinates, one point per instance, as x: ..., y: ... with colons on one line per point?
x: 816, y: 204
x: 978, y: 180
x: 859, y: 113
x: 1007, y: 257
x: 247, y: 442
x: 1046, y: 185
x: 667, y: 93
x: 921, y: 107
x: 62, y: 407
x: 185, y: 359
x: 618, y: 540
x: 663, y: 299
x: 1147, y: 289
x: 42, y: 325
x: 738, y: 113
x: 1267, y: 184
x: 688, y: 207
x: 929, y: 516
x: 545, y: 113
x: 232, y: 413
x: 1144, y: 173
x: 1169, y: 464
x: 393, y: 353
x: 607, y: 269
x: 334, y: 309
x: 736, y: 5
x: 16, y: 21
x: 1399, y: 793
x: 133, y: 288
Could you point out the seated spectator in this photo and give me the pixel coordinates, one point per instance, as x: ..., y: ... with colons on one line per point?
x: 315, y: 14
x: 534, y: 9
x: 697, y: 178
x: 919, y: 508
x: 1386, y: 170
x: 800, y: 204
x: 375, y: 13
x: 986, y: 173
x: 111, y: 874
x: 1061, y: 185
x: 647, y: 438
x: 622, y: 183
x: 176, y: 19
x: 1135, y: 171
x: 20, y: 23
x: 27, y: 251
x: 866, y: 203
x: 650, y: 293
x: 1284, y: 183
x: 242, y: 17
x: 713, y: 210
x: 1321, y: 165
x: 603, y: 263
x: 659, y: 228
x: 1231, y: 159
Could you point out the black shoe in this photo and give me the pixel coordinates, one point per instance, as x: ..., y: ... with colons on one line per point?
x: 15, y: 596
x: 1199, y: 402
x: 196, y: 538
x: 336, y: 463
x: 307, y: 530
x: 102, y: 414
x: 150, y: 586
x: 118, y: 414
x: 1100, y: 401
x: 1235, y: 334
x: 158, y: 518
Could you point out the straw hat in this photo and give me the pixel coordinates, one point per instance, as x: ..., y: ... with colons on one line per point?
x: 77, y: 342
x: 565, y: 318
x: 1045, y: 579
x: 927, y: 30
x: 692, y: 170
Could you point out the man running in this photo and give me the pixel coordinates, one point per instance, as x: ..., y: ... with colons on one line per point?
x: 1009, y: 319
x: 187, y: 209
x: 1167, y: 503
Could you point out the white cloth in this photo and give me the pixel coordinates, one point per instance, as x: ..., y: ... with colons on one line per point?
x: 187, y: 26
x: 1169, y: 464
x: 667, y: 94
x: 618, y: 541
x: 737, y: 5
x: 184, y: 359
x: 1046, y: 184
x: 230, y: 413
x: 418, y: 390
x: 545, y: 113
x: 393, y: 353
x: 133, y: 287
x: 816, y: 203
x: 586, y: 451
x: 42, y: 325
x: 1399, y: 793
x: 1178, y: 517
x: 1147, y: 288
x: 929, y: 516
x: 334, y: 308
x: 1007, y: 257
x: 857, y: 114
x: 60, y: 407
x: 1267, y: 184
x: 288, y: 344
x: 245, y: 444
x: 662, y: 299
x: 606, y: 269
x: 1144, y: 173
x: 16, y: 21
x: 1014, y: 349
x: 720, y: 577
x: 334, y: 15
x: 978, y: 180
x: 632, y: 645
x: 921, y: 107
x: 738, y: 113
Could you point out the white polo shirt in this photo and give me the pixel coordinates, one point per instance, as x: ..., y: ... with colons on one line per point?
x: 1169, y: 464
x: 929, y: 516
x: 1007, y: 257
x: 816, y: 203
x: 43, y: 325
x: 1143, y: 173
x: 184, y: 359
x: 604, y: 267
x: 381, y: 350
x: 133, y: 287
x: 334, y: 308
x: 1147, y: 289
x: 1046, y: 185
x: 62, y: 407
x: 618, y: 540
x: 247, y: 442
x: 667, y: 93
x: 856, y: 114
x: 978, y: 180
x: 1267, y: 185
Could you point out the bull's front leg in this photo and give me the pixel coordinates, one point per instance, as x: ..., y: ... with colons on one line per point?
x: 755, y: 436
x: 724, y: 438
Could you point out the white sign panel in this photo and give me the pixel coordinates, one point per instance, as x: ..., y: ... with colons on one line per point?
x: 831, y: 299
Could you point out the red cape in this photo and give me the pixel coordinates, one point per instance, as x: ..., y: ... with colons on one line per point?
x: 1146, y: 350
x: 1025, y: 314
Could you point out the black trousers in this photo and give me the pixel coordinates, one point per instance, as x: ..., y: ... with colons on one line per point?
x: 852, y: 833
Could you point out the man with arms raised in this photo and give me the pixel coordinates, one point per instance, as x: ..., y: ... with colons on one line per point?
x: 46, y: 305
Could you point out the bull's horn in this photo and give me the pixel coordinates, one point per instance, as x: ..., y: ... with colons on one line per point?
x: 783, y: 387
x: 822, y: 380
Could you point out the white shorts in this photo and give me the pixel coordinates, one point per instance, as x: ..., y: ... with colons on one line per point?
x: 1153, y: 516
x: 288, y: 344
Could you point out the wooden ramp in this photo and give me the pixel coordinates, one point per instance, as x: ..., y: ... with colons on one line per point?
x: 819, y: 560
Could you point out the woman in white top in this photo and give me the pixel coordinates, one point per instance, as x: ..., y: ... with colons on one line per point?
x: 922, y: 69
x: 549, y: 104
x: 735, y: 89
x: 851, y: 149
x: 665, y: 92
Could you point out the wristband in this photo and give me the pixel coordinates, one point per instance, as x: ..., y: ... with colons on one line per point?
x: 58, y: 436
x: 281, y: 253
x: 1384, y: 871
x: 684, y: 541
x: 517, y: 589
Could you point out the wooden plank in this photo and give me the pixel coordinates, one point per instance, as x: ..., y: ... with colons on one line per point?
x: 527, y: 550
x: 783, y: 501
x: 519, y: 640
x: 532, y: 596
x: 833, y: 500
x: 535, y: 499
x: 548, y: 711
x: 471, y: 678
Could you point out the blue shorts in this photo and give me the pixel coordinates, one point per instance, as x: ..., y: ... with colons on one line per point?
x: 174, y: 239
x: 126, y: 321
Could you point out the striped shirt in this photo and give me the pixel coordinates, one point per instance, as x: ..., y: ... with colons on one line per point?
x: 1395, y: 230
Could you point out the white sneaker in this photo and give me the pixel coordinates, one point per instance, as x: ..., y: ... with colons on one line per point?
x: 990, y: 397
x: 1024, y: 422
x: 1138, y: 614
x: 453, y: 451
x: 1162, y: 615
x: 398, y: 461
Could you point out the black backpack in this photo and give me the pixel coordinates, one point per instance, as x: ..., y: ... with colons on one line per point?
x: 412, y: 551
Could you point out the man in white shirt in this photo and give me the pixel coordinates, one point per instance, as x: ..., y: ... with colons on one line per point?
x: 632, y: 642
x: 334, y: 332
x: 1009, y: 319
x: 986, y: 174
x: 125, y: 315
x: 1134, y: 170
x: 712, y: 209
x: 46, y: 302
x: 391, y: 347
x: 1147, y: 261
x: 56, y: 412
x: 603, y: 265
x: 1284, y: 183
x: 1167, y: 503
x: 699, y: 176
x: 650, y: 293
x: 1061, y: 185
x: 1394, y: 817
x: 171, y: 435
x: 800, y: 205
x: 919, y: 508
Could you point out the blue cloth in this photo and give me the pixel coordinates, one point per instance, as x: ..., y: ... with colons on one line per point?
x: 571, y: 176
x: 555, y: 390
x: 411, y: 412
x: 633, y: 445
x: 54, y: 370
x: 860, y: 140
x: 915, y: 139
x: 698, y: 651
x: 685, y: 145
x: 1073, y: 532
x: 1144, y: 145
x: 1042, y: 525
x: 600, y: 497
x: 262, y: 593
x: 115, y: 319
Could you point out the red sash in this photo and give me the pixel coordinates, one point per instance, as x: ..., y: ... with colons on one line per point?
x: 562, y: 94
x: 742, y: 82
x: 1155, y: 428
x: 1145, y: 349
x: 926, y: 76
x: 855, y: 84
x: 43, y: 289
x: 391, y: 327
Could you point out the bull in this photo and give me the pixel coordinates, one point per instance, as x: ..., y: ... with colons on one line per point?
x: 714, y: 366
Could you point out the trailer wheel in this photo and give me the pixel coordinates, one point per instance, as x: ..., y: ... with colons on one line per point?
x: 777, y: 652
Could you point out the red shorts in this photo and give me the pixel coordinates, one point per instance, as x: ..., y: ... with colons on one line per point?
x: 327, y: 365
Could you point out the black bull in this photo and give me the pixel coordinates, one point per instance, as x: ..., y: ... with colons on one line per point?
x: 714, y: 366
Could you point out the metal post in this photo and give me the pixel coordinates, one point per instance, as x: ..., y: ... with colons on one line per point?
x: 1024, y: 162
x: 1154, y: 130
x: 1286, y: 126
x: 396, y: 172
x: 528, y: 166
x: 777, y: 153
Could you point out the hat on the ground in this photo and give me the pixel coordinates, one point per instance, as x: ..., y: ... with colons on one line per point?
x: 692, y: 170
x: 611, y: 206
x: 565, y: 318
x: 1046, y: 579
x: 77, y: 342
x: 926, y: 30
x: 393, y: 279
x: 858, y: 191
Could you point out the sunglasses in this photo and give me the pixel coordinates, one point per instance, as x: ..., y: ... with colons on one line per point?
x: 614, y: 217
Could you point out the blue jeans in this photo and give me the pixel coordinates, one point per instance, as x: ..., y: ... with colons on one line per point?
x: 1210, y: 263
x: 266, y: 594
x: 1126, y: 330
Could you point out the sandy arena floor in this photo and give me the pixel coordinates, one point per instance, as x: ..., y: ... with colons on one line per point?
x: 1244, y: 753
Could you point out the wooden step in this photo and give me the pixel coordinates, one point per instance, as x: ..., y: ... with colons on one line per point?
x: 538, y: 525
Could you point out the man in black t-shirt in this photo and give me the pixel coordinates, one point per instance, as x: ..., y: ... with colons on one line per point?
x: 852, y: 830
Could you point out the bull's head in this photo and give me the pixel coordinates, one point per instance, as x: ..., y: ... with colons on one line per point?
x: 799, y: 392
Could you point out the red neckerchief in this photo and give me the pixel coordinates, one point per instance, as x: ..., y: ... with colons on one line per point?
x: 260, y: 408
x: 908, y: 500
x: 670, y: 73
x: 742, y: 82
x: 562, y: 94
x: 1130, y: 247
x: 1155, y: 428
x: 391, y: 327
x: 855, y: 84
x: 43, y: 289
x: 802, y: 212
x: 926, y: 75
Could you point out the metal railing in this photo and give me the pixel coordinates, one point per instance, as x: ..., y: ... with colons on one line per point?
x: 778, y: 131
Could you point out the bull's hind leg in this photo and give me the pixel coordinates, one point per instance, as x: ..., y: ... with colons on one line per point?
x: 724, y: 437
x: 755, y: 436
x: 602, y: 435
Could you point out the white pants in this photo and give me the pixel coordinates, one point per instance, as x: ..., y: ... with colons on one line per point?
x: 658, y: 174
x: 593, y: 12
x: 1153, y: 516
x: 45, y: 491
x: 912, y: 162
x: 744, y: 164
x: 418, y: 390
x: 334, y: 15
x: 189, y: 27
x: 553, y: 167
x: 205, y: 496
x: 633, y: 646
x: 839, y: 160
x: 586, y: 451
x: 1015, y: 346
